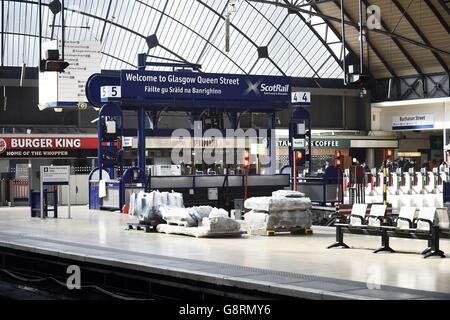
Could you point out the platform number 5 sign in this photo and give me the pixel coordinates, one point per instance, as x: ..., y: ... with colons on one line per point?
x: 110, y: 92
x: 303, y: 98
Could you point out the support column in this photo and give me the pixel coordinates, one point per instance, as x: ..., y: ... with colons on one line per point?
x: 271, y: 143
x: 141, y: 138
x: 370, y: 158
x: 446, y: 140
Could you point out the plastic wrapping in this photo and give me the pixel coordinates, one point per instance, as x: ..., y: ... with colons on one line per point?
x: 287, y: 194
x: 147, y: 206
x: 209, y: 227
x: 269, y: 204
x: 220, y: 224
x: 132, y: 209
x: 258, y: 221
x: 148, y: 211
x: 189, y: 217
x: 218, y: 213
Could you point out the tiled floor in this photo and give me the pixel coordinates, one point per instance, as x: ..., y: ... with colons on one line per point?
x: 297, y: 254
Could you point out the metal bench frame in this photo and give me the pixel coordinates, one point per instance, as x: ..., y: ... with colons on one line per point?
x: 387, y: 230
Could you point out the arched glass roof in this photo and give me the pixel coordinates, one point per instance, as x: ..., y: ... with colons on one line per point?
x: 265, y: 39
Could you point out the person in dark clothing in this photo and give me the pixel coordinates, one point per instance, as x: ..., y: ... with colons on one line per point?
x: 400, y: 162
x: 406, y: 165
x: 430, y: 166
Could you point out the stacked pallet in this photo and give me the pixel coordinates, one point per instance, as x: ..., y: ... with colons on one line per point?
x: 165, y: 212
x: 284, y: 211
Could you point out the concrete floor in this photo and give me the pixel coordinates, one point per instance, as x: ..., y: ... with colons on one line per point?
x: 297, y: 254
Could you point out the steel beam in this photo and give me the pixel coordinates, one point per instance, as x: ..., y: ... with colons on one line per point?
x: 438, y: 15
x: 404, y: 88
x: 320, y: 38
x: 445, y: 6
x: 399, y: 46
x: 374, y: 49
x: 422, y: 36
x: 338, y: 35
x: 331, y: 18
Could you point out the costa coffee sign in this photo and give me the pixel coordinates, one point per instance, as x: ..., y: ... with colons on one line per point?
x: 40, y: 147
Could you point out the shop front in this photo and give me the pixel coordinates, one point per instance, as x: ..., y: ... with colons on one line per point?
x: 360, y: 148
x: 21, y: 157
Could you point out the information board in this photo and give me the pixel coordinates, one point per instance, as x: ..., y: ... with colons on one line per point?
x: 84, y: 58
x: 137, y: 84
x: 55, y: 174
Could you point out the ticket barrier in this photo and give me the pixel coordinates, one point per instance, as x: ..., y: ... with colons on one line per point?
x: 394, y: 184
x: 443, y: 178
x: 418, y: 187
x: 379, y: 184
x: 370, y: 185
x: 406, y: 185
x: 432, y: 182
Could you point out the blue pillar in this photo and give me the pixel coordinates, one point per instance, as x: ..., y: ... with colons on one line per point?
x: 233, y: 117
x: 141, y: 138
x: 271, y: 141
x: 142, y: 59
x: 100, y: 152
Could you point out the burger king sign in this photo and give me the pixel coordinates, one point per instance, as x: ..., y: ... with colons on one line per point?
x: 47, y: 147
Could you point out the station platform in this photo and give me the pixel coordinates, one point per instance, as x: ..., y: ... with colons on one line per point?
x: 248, y: 267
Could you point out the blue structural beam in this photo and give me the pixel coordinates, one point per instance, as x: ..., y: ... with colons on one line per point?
x: 180, y: 90
x: 109, y: 153
x: 141, y: 138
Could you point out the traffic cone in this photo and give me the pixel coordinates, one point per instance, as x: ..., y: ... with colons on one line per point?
x: 125, y: 209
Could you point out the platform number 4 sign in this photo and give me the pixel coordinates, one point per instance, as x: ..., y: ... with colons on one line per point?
x: 303, y: 98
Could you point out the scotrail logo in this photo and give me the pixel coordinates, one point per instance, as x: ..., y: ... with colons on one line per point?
x: 259, y: 87
x: 252, y: 87
x: 278, y: 88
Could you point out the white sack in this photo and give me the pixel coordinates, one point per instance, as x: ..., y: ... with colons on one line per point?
x: 261, y: 221
x: 186, y: 216
x: 208, y: 227
x: 287, y: 194
x: 131, y: 210
x: 269, y: 204
x: 215, y: 212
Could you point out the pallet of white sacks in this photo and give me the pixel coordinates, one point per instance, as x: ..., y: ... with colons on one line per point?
x: 284, y: 212
x: 198, y: 232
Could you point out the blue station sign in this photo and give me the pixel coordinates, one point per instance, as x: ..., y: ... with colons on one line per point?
x: 181, y: 85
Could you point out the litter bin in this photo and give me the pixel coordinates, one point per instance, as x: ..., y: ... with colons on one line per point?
x: 35, y: 203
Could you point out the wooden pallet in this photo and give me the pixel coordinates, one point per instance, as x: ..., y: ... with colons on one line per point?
x: 144, y: 227
x: 277, y: 231
x: 179, y: 223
